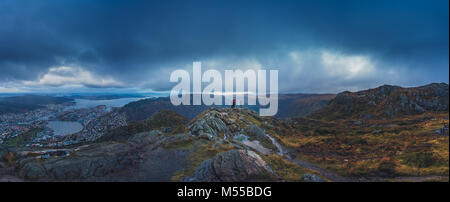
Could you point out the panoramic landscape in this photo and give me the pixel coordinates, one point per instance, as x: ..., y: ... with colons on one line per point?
x: 313, y: 91
x: 388, y: 133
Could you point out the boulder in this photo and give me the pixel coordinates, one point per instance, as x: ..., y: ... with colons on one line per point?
x: 311, y: 178
x: 256, y: 131
x: 233, y: 166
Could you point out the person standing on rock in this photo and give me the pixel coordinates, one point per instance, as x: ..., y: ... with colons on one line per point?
x: 234, y: 103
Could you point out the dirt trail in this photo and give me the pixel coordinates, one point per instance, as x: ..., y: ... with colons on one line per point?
x: 432, y: 178
x: 330, y: 175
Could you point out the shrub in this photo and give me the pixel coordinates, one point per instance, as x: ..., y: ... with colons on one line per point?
x: 10, y: 158
x: 419, y: 159
x: 387, y: 166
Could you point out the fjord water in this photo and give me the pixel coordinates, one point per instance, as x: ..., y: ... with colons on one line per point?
x: 120, y: 102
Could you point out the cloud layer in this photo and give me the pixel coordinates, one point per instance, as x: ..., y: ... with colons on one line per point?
x: 318, y: 46
x: 64, y: 76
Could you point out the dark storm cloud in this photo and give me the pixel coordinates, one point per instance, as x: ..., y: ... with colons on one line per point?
x: 135, y: 42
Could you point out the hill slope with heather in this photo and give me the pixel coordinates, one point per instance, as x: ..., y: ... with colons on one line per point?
x: 300, y: 105
x: 386, y: 102
x: 385, y: 132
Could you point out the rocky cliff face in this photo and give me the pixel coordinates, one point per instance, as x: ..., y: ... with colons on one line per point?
x: 387, y: 102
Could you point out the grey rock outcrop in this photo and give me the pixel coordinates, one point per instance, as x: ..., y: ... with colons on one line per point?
x: 311, y: 178
x: 256, y: 131
x: 233, y: 166
x: 221, y: 122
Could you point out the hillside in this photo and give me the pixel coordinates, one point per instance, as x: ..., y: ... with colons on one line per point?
x: 386, y: 102
x: 143, y: 109
x: 35, y: 99
x: 385, y: 132
x: 164, y: 120
x: 21, y: 104
x: 300, y: 105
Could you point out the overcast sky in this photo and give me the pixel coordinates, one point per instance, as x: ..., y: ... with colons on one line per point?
x: 133, y: 46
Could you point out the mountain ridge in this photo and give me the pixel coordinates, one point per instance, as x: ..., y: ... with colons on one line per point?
x: 386, y: 101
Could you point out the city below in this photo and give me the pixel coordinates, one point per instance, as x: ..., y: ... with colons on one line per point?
x: 60, y: 124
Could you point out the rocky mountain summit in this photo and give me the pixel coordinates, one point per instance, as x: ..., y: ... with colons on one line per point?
x: 222, y: 123
x: 233, y: 125
x: 387, y: 102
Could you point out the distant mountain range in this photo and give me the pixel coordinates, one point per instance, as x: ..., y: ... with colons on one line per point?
x: 145, y: 108
x: 384, y: 101
x: 105, y: 97
x: 21, y: 104
x: 290, y: 105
